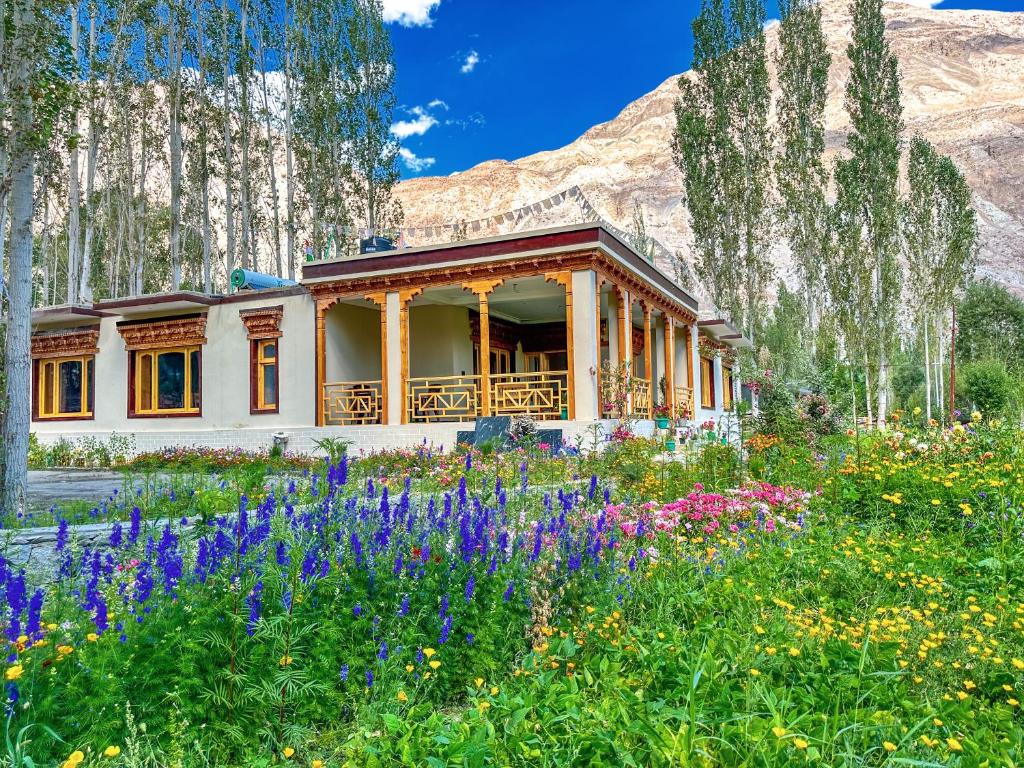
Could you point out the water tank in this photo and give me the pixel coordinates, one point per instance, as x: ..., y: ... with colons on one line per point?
x: 256, y: 281
x: 375, y: 245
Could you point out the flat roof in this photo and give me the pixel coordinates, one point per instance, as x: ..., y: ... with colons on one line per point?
x: 63, y: 313
x: 514, y: 245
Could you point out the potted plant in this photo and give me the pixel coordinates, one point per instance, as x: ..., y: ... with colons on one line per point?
x: 661, y: 416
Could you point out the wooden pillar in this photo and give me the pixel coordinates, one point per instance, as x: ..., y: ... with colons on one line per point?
x: 648, y: 367
x: 322, y: 305
x: 565, y: 280
x: 670, y: 364
x: 482, y: 289
x: 404, y: 297
x: 597, y: 314
x: 381, y: 300
x: 624, y: 338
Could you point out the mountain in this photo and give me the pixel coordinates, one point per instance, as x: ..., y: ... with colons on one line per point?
x: 963, y: 89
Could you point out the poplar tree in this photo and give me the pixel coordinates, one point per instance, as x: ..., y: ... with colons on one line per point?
x: 803, y: 63
x: 940, y: 234
x: 865, y: 270
x: 722, y: 145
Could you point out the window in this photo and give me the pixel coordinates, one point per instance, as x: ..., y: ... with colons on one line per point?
x: 264, y: 377
x: 501, y: 360
x: 166, y: 382
x: 727, y: 387
x: 707, y: 383
x: 64, y: 388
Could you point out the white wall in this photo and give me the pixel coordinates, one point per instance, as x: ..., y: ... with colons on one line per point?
x: 439, y: 343
x: 225, y: 375
x: 353, y: 343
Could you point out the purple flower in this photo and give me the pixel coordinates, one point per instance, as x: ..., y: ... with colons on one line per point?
x: 446, y: 629
x: 382, y: 652
x: 403, y: 609
x: 343, y: 674
x: 369, y: 678
x: 508, y: 592
x: 470, y: 586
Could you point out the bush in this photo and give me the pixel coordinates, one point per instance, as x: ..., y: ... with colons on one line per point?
x: 986, y: 386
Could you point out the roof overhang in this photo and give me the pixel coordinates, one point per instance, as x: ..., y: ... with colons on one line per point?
x: 62, y: 314
x: 722, y: 330
x: 174, y: 301
x: 504, y: 248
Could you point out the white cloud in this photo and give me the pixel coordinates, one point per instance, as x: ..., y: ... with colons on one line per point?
x: 470, y: 62
x: 770, y: 23
x: 422, y: 122
x: 437, y: 103
x: 413, y: 162
x: 920, y: 3
x: 410, y: 13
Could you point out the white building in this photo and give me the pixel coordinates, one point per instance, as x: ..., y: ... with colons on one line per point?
x: 388, y: 349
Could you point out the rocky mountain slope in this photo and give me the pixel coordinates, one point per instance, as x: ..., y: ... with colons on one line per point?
x: 963, y: 89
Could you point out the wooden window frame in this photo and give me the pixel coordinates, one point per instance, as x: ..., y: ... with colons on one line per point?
x: 88, y: 396
x: 257, y: 376
x: 707, y: 383
x: 726, y: 387
x: 134, y: 383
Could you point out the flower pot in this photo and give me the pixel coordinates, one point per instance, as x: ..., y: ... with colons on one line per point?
x: 661, y: 422
x: 670, y: 446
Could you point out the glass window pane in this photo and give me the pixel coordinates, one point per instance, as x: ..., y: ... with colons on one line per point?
x: 269, y: 350
x: 90, y: 381
x: 170, y: 373
x: 269, y: 385
x: 195, y: 369
x: 71, y: 386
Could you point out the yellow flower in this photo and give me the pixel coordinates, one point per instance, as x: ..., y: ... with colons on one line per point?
x: 75, y: 758
x: 112, y: 751
x: 755, y: 672
x: 494, y: 691
x: 954, y: 745
x: 1018, y: 663
x: 779, y: 731
x: 434, y: 664
x: 889, y: 746
x: 287, y: 752
x: 799, y: 743
x: 937, y: 723
x: 92, y: 637
x: 64, y: 650
x: 936, y: 502
x: 794, y: 652
x: 917, y: 411
x: 428, y: 652
x: 409, y: 667
x: 13, y: 673
x: 284, y: 661
x: 483, y: 706
x: 1013, y: 702
x: 479, y: 682
x: 317, y: 764
x: 402, y: 697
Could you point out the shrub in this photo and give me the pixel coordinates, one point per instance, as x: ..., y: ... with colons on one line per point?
x: 987, y: 386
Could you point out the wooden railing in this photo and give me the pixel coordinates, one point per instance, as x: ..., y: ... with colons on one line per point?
x: 543, y: 395
x: 442, y: 398
x: 642, y: 397
x: 352, y: 402
x: 685, y: 403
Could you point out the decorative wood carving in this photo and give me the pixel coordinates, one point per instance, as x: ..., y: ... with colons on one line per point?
x: 69, y: 343
x: 168, y: 332
x: 263, y: 322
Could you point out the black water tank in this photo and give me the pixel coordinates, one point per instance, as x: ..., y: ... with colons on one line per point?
x: 375, y: 245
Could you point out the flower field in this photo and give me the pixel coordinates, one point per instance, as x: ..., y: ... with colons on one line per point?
x: 855, y: 601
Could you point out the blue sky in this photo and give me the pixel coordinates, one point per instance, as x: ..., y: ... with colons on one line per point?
x: 486, y: 79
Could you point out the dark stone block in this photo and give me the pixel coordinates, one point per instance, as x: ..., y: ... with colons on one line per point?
x: 464, y: 437
x: 492, y: 428
x: 552, y: 437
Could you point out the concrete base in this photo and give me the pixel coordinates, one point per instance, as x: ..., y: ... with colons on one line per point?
x: 368, y: 438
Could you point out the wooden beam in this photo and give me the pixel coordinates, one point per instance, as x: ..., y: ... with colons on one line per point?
x: 669, y: 334
x: 597, y: 338
x: 381, y: 300
x: 321, y: 357
x: 565, y: 279
x: 404, y: 297
x: 648, y: 361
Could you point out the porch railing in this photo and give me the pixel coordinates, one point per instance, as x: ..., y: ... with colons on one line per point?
x: 352, y: 402
x: 442, y: 398
x: 642, y: 397
x: 685, y: 403
x: 542, y: 395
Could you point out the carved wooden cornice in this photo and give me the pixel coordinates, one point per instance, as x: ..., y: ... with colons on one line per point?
x: 262, y: 322
x: 328, y: 292
x: 69, y: 343
x: 168, y: 332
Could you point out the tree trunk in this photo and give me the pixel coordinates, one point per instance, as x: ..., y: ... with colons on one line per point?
x: 927, y: 374
x: 74, y: 197
x: 17, y: 358
x: 867, y: 390
x: 275, y: 224
x: 229, y: 205
x: 289, y: 139
x: 940, y: 371
x: 883, y: 387
x: 85, y: 281
x: 174, y: 45
x: 245, y: 107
